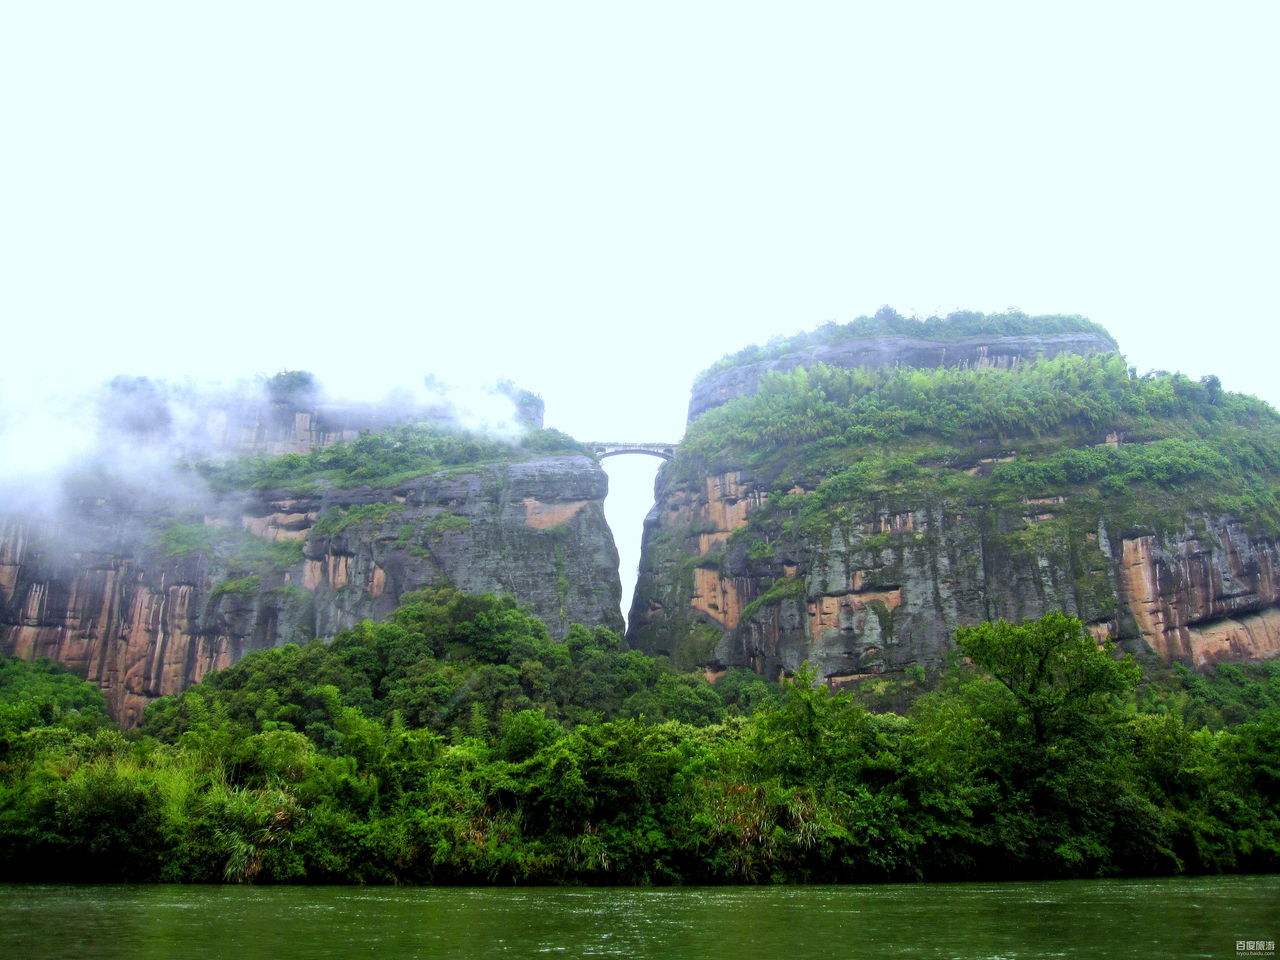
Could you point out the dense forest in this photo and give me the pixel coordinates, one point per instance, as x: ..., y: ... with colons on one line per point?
x: 458, y: 743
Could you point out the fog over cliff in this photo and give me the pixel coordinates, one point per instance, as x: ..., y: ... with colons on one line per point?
x: 145, y: 432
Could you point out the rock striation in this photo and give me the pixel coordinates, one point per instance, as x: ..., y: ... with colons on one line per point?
x: 1203, y: 598
x: 100, y: 590
x: 878, y: 589
x: 888, y: 592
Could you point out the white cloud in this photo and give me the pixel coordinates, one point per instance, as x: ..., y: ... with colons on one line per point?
x: 597, y: 201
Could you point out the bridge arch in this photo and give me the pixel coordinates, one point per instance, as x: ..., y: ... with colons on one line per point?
x: 663, y: 451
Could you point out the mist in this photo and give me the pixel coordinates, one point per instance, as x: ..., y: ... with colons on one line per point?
x: 600, y: 204
x: 140, y: 436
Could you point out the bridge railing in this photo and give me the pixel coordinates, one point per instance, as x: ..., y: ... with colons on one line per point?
x: 602, y: 449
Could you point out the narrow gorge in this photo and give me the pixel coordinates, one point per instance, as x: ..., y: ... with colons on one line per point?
x: 846, y: 498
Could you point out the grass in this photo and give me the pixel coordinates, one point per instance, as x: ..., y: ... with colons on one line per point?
x: 235, y: 547
x: 337, y: 519
x: 183, y: 539
x: 445, y: 523
x: 240, y: 586
x: 788, y: 588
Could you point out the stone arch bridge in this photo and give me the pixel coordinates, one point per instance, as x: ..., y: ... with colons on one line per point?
x: 602, y: 449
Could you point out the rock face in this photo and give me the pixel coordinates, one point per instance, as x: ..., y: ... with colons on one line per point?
x: 1204, y: 598
x: 102, y: 593
x: 533, y: 529
x: 880, y: 590
x: 721, y: 386
x: 888, y: 591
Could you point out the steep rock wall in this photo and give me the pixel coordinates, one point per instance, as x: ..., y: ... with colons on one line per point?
x: 99, y: 592
x: 136, y: 622
x: 880, y: 582
x: 887, y: 591
x: 1203, y: 598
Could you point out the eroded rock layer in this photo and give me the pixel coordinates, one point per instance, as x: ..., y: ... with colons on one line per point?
x: 1026, y: 472
x: 108, y: 591
x: 888, y: 591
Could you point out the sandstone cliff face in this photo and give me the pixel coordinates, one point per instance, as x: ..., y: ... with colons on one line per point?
x: 1203, y: 598
x: 887, y: 591
x: 721, y: 386
x: 137, y: 623
x: 99, y: 592
x: 878, y: 589
x: 533, y: 529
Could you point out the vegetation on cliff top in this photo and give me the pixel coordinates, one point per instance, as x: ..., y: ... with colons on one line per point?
x: 457, y: 743
x: 1044, y: 463
x: 382, y: 459
x: 888, y: 322
x: 878, y: 436
x: 854, y: 408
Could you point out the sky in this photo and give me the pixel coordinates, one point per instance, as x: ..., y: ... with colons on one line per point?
x: 598, y: 200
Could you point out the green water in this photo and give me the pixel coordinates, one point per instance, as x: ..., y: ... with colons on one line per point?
x: 1133, y: 918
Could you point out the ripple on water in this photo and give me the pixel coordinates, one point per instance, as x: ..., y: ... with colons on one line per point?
x: 1166, y: 918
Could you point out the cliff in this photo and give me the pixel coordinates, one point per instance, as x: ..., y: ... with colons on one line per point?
x: 887, y: 591
x: 855, y: 515
x: 145, y: 595
x: 847, y: 497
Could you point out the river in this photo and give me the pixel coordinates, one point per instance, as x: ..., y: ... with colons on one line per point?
x: 1164, y: 918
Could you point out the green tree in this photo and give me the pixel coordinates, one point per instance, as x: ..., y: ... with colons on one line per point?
x: 1044, y: 711
x: 1064, y: 685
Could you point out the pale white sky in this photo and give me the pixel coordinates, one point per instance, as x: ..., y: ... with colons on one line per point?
x: 598, y: 200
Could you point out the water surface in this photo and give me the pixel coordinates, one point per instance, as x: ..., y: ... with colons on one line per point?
x: 1170, y: 918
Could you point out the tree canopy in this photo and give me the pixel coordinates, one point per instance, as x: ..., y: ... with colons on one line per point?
x: 456, y: 742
